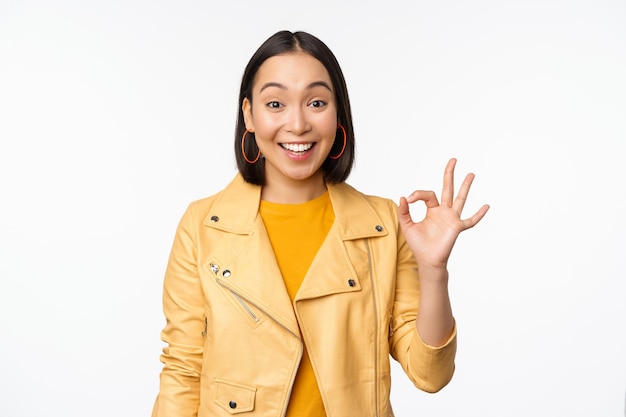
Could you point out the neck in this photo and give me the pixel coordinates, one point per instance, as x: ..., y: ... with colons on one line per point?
x: 289, y: 191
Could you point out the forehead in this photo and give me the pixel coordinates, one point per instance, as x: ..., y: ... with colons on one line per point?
x: 293, y: 70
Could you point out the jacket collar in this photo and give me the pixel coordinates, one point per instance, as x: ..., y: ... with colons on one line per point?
x: 237, y: 207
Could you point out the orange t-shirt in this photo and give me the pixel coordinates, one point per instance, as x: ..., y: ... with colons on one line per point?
x: 296, y: 232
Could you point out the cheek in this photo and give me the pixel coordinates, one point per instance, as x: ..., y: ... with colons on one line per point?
x: 264, y: 125
x: 329, y: 128
x: 327, y: 123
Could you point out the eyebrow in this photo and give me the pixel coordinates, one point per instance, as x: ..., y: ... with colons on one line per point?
x: 310, y: 86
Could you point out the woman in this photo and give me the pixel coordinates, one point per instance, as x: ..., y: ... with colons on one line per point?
x: 286, y: 292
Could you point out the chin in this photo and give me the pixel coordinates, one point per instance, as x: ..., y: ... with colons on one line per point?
x: 302, y: 176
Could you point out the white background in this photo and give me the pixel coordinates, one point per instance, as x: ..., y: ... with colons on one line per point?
x: 115, y: 115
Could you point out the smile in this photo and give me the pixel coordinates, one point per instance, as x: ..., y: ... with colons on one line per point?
x: 297, y: 147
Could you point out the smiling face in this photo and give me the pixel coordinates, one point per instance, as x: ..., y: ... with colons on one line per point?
x: 293, y: 114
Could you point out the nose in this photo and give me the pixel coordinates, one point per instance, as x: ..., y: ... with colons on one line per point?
x: 298, y: 122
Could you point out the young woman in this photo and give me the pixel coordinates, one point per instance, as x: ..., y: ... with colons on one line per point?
x: 286, y: 292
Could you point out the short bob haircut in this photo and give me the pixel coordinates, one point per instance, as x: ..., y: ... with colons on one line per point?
x: 283, y: 42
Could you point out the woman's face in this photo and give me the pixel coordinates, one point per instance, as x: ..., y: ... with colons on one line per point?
x: 293, y: 115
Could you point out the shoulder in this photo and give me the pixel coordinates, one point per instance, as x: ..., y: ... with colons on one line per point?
x: 204, y: 204
x: 380, y: 205
x: 234, y: 207
x: 362, y: 215
x: 198, y: 212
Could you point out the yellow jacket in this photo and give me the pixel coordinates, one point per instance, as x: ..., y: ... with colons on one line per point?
x: 234, y: 339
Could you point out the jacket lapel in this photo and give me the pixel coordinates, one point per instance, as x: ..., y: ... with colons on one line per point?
x: 253, y: 272
x: 332, y: 270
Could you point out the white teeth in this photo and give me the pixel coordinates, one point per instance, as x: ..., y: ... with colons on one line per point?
x: 297, y: 147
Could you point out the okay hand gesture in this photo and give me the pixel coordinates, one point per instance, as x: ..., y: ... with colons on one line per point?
x: 431, y: 240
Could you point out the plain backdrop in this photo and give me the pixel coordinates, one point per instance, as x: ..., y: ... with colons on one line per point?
x: 115, y: 115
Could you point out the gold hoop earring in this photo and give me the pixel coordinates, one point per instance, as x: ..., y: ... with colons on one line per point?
x: 344, y: 143
x: 243, y: 152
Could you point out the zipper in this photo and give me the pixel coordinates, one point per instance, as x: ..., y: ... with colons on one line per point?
x: 245, y: 306
x: 215, y: 268
x: 372, y: 284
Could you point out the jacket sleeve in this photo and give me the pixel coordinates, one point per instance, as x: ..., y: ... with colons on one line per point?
x: 429, y: 368
x: 183, y: 306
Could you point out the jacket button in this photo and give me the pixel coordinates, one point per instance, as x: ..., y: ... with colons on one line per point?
x: 232, y: 404
x: 379, y: 228
x: 215, y: 219
x: 351, y: 282
x: 226, y: 273
x: 215, y: 268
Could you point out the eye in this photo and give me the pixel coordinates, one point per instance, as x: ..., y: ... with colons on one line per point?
x: 274, y: 105
x: 317, y: 103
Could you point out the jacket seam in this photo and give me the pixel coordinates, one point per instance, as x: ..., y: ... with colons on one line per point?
x: 376, y: 336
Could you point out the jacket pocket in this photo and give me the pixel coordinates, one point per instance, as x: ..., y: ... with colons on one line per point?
x: 234, y: 398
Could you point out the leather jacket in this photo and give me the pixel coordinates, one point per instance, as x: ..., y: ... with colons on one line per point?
x: 234, y: 339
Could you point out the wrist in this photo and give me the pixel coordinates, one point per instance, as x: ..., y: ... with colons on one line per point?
x: 433, y: 275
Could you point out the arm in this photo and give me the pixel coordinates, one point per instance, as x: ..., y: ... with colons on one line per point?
x: 429, y: 367
x: 431, y: 241
x: 183, y: 306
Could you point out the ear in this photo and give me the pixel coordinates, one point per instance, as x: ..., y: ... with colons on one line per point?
x: 246, y: 108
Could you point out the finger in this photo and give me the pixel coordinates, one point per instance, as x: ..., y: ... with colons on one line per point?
x: 447, y: 195
x: 473, y: 221
x: 428, y: 197
x: 404, y: 216
x: 461, y: 198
